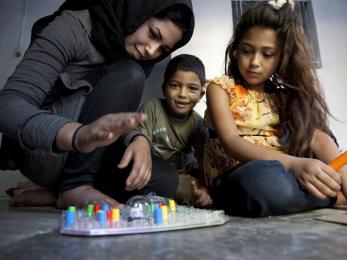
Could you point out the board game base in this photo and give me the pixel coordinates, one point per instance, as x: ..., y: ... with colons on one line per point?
x: 140, y: 215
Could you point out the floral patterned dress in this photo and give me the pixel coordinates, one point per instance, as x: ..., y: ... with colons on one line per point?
x: 257, y: 121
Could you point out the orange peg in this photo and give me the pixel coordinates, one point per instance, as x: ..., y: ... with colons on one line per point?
x: 340, y: 161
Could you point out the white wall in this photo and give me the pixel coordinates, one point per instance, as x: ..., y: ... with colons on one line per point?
x: 214, y: 29
x: 16, y: 20
x: 331, y: 18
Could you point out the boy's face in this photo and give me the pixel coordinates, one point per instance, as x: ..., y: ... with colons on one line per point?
x: 182, y: 91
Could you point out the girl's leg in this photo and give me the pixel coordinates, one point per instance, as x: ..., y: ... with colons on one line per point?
x: 263, y: 188
x: 119, y: 90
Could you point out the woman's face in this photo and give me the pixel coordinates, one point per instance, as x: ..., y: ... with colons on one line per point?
x: 258, y: 56
x: 152, y: 39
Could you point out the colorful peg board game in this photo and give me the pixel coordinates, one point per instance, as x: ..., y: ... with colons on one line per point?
x: 141, y: 214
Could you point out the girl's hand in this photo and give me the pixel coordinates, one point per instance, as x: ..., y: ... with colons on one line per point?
x: 317, y: 177
x: 139, y: 152
x: 200, y: 195
x: 106, y: 130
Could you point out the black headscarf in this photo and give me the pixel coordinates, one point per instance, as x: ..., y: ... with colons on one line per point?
x: 113, y: 20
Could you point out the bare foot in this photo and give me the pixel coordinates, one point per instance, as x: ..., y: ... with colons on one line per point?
x: 33, y: 197
x: 83, y: 195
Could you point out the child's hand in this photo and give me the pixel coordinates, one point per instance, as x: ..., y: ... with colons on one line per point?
x: 317, y: 177
x: 200, y: 195
x: 343, y: 172
x: 139, y: 152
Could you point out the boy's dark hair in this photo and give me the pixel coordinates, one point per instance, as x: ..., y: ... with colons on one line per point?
x: 185, y: 62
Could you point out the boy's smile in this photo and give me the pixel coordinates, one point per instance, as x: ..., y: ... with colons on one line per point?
x: 182, y: 92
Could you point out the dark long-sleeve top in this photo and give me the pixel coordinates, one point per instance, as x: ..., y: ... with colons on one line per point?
x: 62, y: 52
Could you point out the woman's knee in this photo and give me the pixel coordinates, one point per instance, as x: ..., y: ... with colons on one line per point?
x: 119, y: 90
x: 127, y: 71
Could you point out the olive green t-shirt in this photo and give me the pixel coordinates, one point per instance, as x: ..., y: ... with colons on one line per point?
x: 171, y: 138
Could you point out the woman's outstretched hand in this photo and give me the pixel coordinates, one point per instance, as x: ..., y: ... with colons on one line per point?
x: 317, y: 177
x: 101, y: 132
x: 106, y: 130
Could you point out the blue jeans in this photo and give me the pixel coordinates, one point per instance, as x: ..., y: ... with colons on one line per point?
x: 263, y: 188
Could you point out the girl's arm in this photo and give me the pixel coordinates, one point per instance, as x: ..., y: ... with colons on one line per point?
x: 324, y: 147
x: 316, y: 176
x: 225, y: 127
x: 326, y: 150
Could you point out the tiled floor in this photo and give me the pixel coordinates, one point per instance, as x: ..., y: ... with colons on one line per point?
x: 32, y: 233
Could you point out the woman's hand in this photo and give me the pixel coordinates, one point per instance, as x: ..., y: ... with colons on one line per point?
x: 317, y: 177
x: 139, y: 152
x: 200, y: 195
x: 106, y: 130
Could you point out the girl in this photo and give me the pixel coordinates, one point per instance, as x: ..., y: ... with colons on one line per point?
x: 86, y: 63
x: 269, y: 120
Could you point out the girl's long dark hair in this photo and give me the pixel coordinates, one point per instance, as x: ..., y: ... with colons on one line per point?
x: 301, y: 103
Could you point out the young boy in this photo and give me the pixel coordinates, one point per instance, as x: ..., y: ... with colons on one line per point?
x: 173, y: 131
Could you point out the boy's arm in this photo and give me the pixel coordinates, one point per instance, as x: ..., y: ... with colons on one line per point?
x: 138, y: 150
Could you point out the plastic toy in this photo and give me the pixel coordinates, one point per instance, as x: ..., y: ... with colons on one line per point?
x: 340, y: 161
x: 141, y: 214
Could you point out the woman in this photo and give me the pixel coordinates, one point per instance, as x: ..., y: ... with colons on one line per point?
x: 86, y: 63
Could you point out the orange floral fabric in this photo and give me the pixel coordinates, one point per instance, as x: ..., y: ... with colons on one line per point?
x: 257, y: 121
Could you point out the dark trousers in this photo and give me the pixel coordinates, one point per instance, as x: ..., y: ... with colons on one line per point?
x: 116, y: 89
x: 111, y: 180
x: 263, y: 188
x: 119, y: 90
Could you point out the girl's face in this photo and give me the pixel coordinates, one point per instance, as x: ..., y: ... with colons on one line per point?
x: 258, y: 56
x: 152, y: 39
x: 182, y: 91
